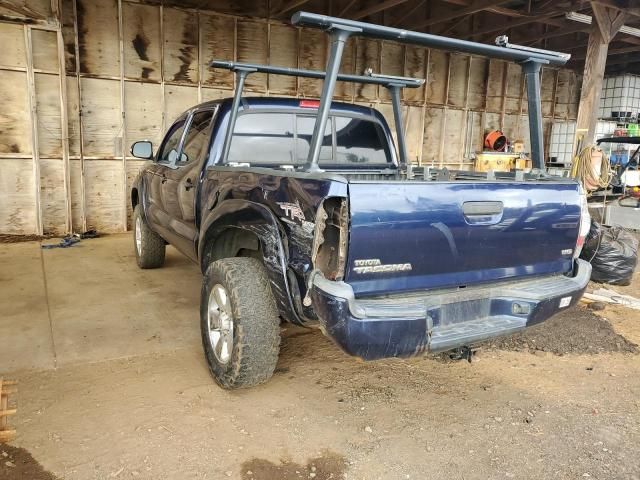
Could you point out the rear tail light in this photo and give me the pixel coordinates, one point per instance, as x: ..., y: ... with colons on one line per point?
x: 329, y: 251
x: 585, y: 224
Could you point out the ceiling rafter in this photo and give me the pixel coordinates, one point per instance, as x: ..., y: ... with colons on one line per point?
x: 475, y: 7
x: 379, y: 7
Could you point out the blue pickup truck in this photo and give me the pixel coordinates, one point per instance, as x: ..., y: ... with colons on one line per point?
x: 335, y: 230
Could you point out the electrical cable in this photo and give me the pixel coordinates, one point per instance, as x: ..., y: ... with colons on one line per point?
x: 582, y: 170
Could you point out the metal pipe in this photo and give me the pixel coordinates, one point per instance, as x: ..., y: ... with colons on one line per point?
x: 511, y: 52
x: 531, y: 70
x: 372, y: 79
x: 241, y: 75
x: 394, y: 91
x: 338, y: 38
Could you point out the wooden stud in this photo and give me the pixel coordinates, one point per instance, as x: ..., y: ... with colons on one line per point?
x: 34, y: 128
x: 123, y: 127
x: 83, y: 202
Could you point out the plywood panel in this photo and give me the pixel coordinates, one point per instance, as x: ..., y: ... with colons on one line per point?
x: 546, y: 90
x: 104, y: 195
x: 15, y: 122
x: 142, y: 43
x: 177, y: 100
x: 454, y: 136
x: 101, y: 119
x: 12, y: 53
x: 48, y: 105
x: 514, y: 89
x: 253, y: 48
x: 283, y: 52
x: 215, y: 94
x: 312, y: 57
x: 143, y: 104
x: 478, y: 83
x: 414, y: 66
x: 180, y: 46
x: 346, y: 90
x: 45, y: 50
x: 392, y: 63
x: 217, y: 37
x: 438, y: 76
x: 413, y: 132
x: 52, y: 196
x: 432, y: 136
x: 367, y: 56
x: 458, y: 77
x: 98, y: 37
x: 495, y: 85
x: 17, y: 196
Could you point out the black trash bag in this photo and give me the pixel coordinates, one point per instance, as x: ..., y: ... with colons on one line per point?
x: 613, y: 253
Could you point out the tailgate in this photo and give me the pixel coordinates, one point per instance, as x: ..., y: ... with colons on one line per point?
x: 408, y: 236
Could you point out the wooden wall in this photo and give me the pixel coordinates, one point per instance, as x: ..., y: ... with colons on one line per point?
x: 77, y: 93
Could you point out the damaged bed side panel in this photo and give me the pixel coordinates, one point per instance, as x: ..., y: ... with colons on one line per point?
x: 280, y: 210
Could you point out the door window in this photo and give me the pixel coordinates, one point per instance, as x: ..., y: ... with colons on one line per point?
x: 169, y: 149
x: 196, y: 141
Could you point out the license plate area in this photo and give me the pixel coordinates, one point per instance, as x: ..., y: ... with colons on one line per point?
x: 458, y: 312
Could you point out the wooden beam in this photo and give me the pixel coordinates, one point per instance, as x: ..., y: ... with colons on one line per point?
x: 613, y: 51
x: 503, y: 27
x: 347, y: 7
x: 608, y: 20
x: 20, y: 7
x: 378, y: 7
x: 630, y: 7
x: 288, y: 6
x: 409, y: 13
x: 475, y: 7
x: 602, y: 31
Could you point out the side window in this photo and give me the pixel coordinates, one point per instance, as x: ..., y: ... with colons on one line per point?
x: 196, y: 141
x: 263, y: 139
x: 169, y: 149
x: 360, y: 141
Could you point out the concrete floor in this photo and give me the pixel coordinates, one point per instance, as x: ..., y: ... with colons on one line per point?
x: 91, y: 303
x: 113, y: 384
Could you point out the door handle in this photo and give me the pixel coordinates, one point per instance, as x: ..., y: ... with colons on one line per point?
x: 164, y: 178
x: 188, y: 184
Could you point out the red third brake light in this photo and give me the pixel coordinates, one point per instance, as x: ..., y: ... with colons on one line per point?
x: 310, y: 103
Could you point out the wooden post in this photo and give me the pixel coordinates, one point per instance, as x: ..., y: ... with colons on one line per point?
x: 606, y: 23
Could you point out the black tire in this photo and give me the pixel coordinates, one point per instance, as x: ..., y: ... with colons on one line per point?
x: 256, y: 325
x: 151, y: 249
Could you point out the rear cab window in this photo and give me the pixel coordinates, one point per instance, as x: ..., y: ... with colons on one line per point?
x: 274, y: 139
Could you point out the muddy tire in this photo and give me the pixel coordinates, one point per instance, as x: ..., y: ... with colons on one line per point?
x: 148, y: 245
x: 239, y: 323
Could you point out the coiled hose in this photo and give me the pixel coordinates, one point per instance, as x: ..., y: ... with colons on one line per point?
x: 583, y: 171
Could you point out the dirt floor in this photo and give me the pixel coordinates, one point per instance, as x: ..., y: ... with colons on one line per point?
x: 120, y: 389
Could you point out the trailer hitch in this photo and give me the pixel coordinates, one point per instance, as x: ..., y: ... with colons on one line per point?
x: 462, y: 353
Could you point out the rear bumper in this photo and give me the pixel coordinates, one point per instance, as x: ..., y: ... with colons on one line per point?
x: 402, y: 326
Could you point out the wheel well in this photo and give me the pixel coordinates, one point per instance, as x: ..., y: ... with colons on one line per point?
x: 233, y: 242
x: 134, y: 197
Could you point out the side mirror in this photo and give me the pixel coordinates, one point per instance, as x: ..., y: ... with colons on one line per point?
x: 142, y: 149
